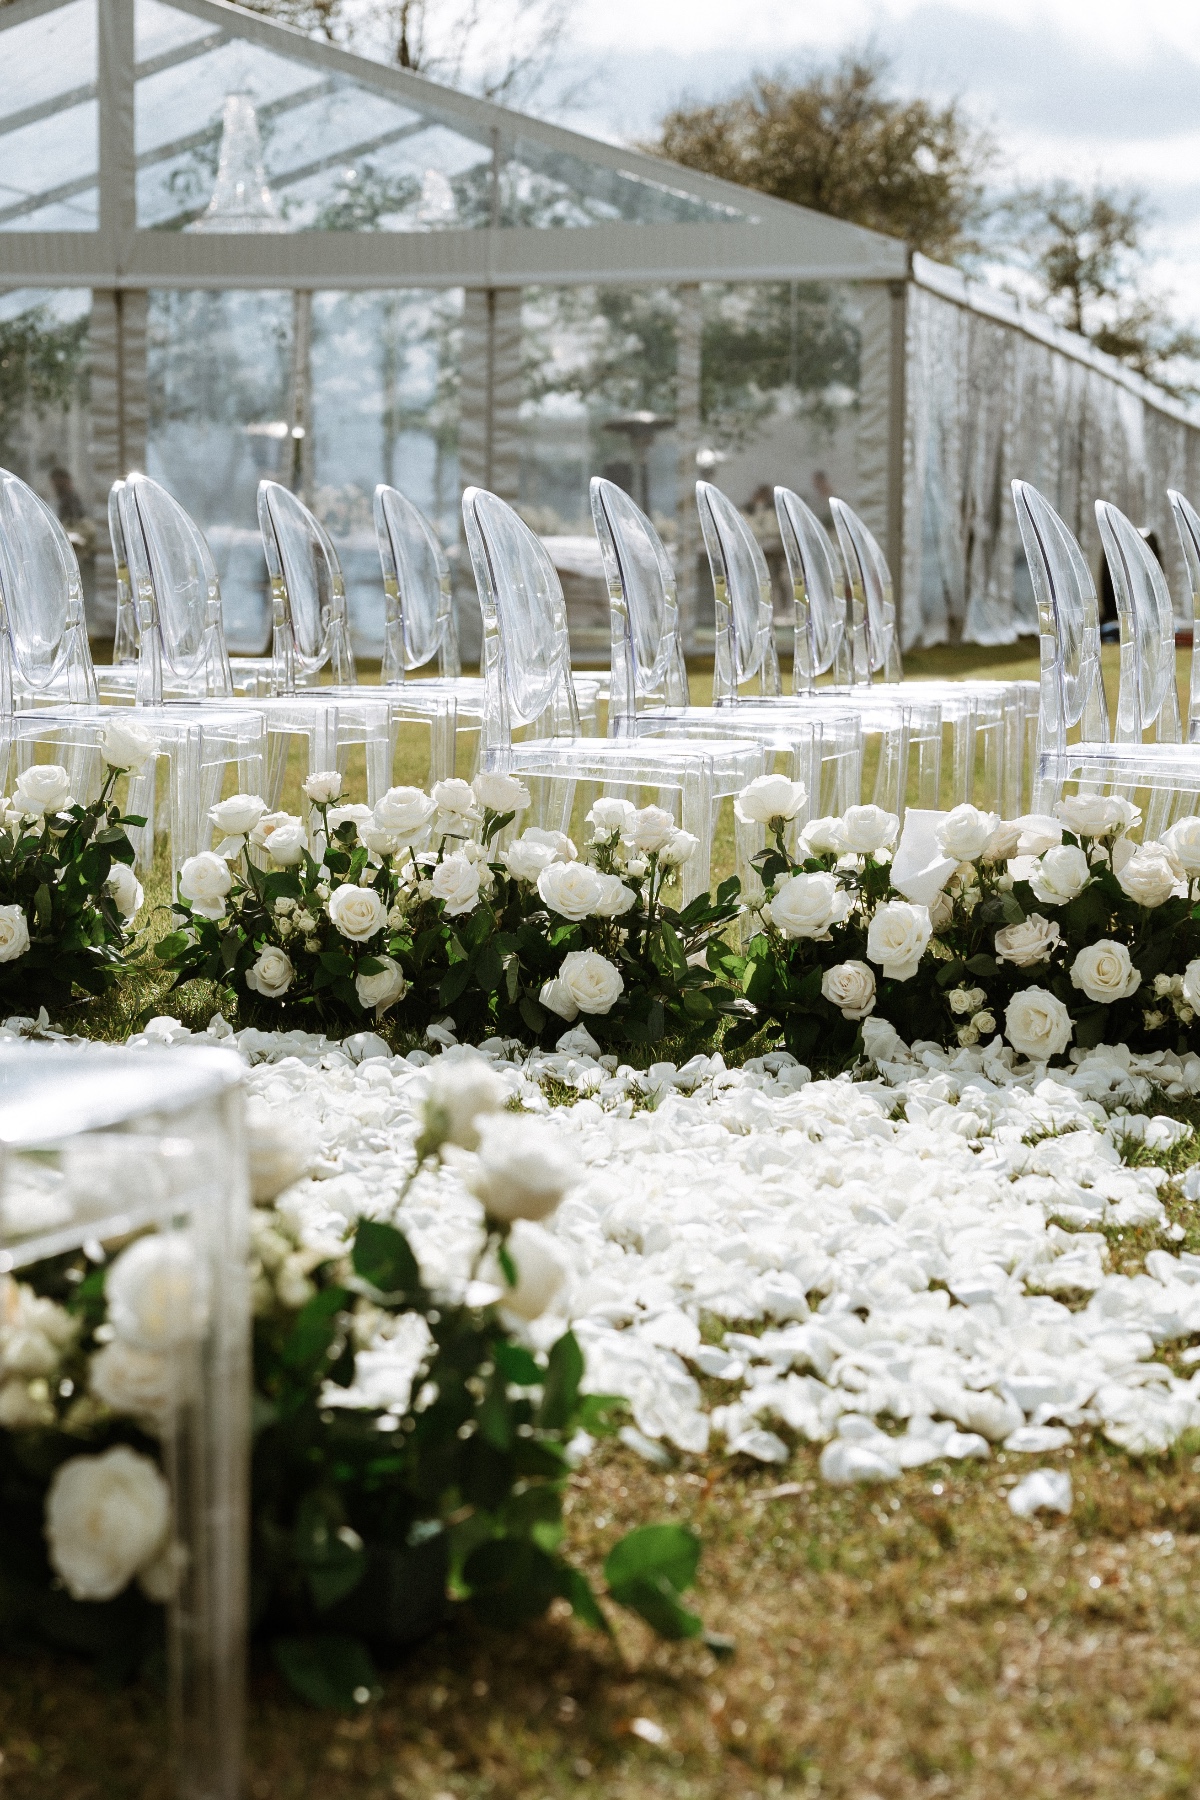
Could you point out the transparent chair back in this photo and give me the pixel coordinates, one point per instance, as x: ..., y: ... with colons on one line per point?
x: 418, y: 601
x: 125, y: 631
x: 110, y: 1154
x: 1147, y: 698
x: 744, y: 650
x: 648, y: 665
x: 308, y: 595
x: 44, y: 652
x: 872, y: 601
x: 1072, y: 687
x: 824, y: 644
x: 177, y: 594
x: 1187, y: 525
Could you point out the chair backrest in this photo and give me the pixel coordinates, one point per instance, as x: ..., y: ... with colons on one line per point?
x: 1147, y: 699
x: 872, y: 597
x: 308, y: 594
x: 43, y: 635
x: 1187, y: 524
x: 125, y: 631
x: 418, y: 600
x: 648, y: 666
x: 823, y: 638
x: 526, y: 651
x: 1072, y: 690
x: 176, y: 592
x: 745, y: 617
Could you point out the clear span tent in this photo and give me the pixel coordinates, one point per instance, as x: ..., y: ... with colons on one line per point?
x: 229, y: 251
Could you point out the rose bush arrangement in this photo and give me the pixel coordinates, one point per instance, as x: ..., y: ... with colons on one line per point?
x: 428, y: 903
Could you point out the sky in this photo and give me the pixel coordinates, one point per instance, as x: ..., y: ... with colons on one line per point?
x: 1085, y: 89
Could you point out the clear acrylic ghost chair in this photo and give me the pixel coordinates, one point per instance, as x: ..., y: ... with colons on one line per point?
x: 648, y: 689
x: 987, y: 718
x: 527, y: 672
x: 1187, y: 525
x: 1072, y: 687
x: 125, y: 632
x: 182, y: 647
x: 96, y: 1145
x: 909, y: 731
x: 48, y: 688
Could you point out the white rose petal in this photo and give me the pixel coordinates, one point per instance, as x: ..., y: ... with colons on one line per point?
x: 1191, y: 985
x: 523, y: 1171
x: 525, y: 859
x: 868, y: 828
x: 238, y: 815
x: 653, y: 827
x: 271, y: 822
x: 107, y: 1517
x: 1092, y: 815
x: 851, y: 987
x: 357, y: 912
x: 1037, y: 1024
x: 1183, y: 841
x: 1039, y: 832
x: 463, y: 1088
x: 965, y: 831
x: 609, y: 815
x: 572, y: 890
x: 42, y: 788
x: 556, y: 999
x: 157, y: 1292
x: 1150, y: 874
x: 455, y: 882
x: 126, y: 891
x: 1104, y: 972
x: 14, y: 933
x: 823, y: 837
x: 1032, y: 941
x: 593, y: 984
x: 541, y: 1271
x: 806, y: 906
x: 680, y: 847
x: 1004, y: 842
x: 272, y: 973
x: 615, y: 898
x: 125, y: 744
x: 357, y: 815
x: 288, y: 844
x: 382, y: 990
x: 1061, y: 873
x: 323, y: 787
x: 897, y: 937
x: 283, y: 1147
x: 139, y: 1384
x: 770, y: 797
x: 204, y: 881
x: 501, y: 793
x: 405, y: 812
x: 558, y: 841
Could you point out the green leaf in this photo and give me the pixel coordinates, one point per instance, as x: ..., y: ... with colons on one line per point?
x: 573, y: 1585
x: 454, y: 983
x: 658, y: 1603
x: 43, y: 907
x: 382, y: 1255
x: 981, y: 964
x: 601, y: 1414
x: 510, y: 1581
x: 488, y: 968
x: 515, y: 1364
x: 533, y: 1015
x: 327, y: 1670
x: 314, y: 1329
x: 564, y: 1372
x: 668, y: 1553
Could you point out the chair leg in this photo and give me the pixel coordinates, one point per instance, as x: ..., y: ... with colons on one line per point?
x: 697, y: 815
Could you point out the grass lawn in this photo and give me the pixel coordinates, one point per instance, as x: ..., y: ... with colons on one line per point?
x: 911, y: 1640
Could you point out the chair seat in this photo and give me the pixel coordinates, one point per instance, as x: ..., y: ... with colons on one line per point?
x: 726, y: 764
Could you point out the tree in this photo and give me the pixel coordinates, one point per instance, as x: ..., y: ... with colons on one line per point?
x: 1084, y: 253
x: 838, y: 142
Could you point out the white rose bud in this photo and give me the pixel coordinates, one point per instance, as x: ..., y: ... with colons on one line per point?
x: 1004, y: 842
x: 1150, y: 875
x: 523, y: 1171
x: 851, y: 987
x: 323, y: 787
x: 125, y: 744
x: 272, y: 973
x: 525, y: 860
x: 357, y: 912
x: 283, y: 1147
x: 806, y: 906
x: 462, y: 1089
x: 357, y: 815
x: 500, y: 793
x: 404, y: 812
x: 14, y: 933
x: 1105, y: 973
x: 609, y: 815
x: 896, y: 938
x: 1032, y: 941
x: 157, y: 1293
x: 238, y: 815
x: 770, y: 797
x: 204, y: 881
x: 125, y: 890
x: 42, y: 788
x: 541, y: 1271
x: 287, y: 844
x: 455, y: 882
x: 866, y: 829
x: 382, y: 990
x: 653, y: 827
x: 572, y: 890
x: 823, y: 837
x: 1037, y: 1025
x: 107, y: 1517
x: 593, y: 984
x: 679, y: 848
x: 964, y: 833
x: 1061, y: 874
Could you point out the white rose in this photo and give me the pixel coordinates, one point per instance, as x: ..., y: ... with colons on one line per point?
x: 941, y: 911
x: 1037, y: 1025
x: 238, y: 815
x: 157, y: 1292
x: 609, y: 815
x: 680, y: 847
x: 1190, y: 986
x: 1062, y: 873
x: 525, y: 859
x: 1150, y: 875
x: 1030, y: 942
x: 964, y: 833
x: 357, y: 815
x: 126, y: 891
x: 500, y: 793
x: 1004, y: 842
x: 615, y: 898
x: 127, y: 745
x: 107, y: 1517
x: 868, y: 828
x: 283, y: 1147
x: 381, y: 991
x: 1183, y: 841
x: 770, y: 797
x: 592, y: 982
x: 805, y: 906
x: 287, y: 845
x: 572, y: 890
x: 897, y: 936
x: 462, y: 1089
x: 270, y: 821
x: 14, y: 933
x: 357, y: 912
x: 824, y: 836
x: 323, y: 787
x: 272, y: 973
x: 1090, y: 815
x: 42, y: 788
x: 455, y: 882
x: 405, y: 812
x: 1039, y: 832
x: 1105, y: 972
x: 523, y: 1171
x: 541, y: 1271
x: 556, y: 999
x: 139, y: 1384
x: 457, y: 810
x: 850, y: 986
x: 204, y: 881
x: 653, y: 827
x: 25, y: 1407
x: 558, y: 841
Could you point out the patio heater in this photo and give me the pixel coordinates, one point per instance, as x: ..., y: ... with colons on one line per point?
x: 641, y: 429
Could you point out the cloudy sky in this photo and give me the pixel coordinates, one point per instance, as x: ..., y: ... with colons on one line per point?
x: 1080, y: 88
